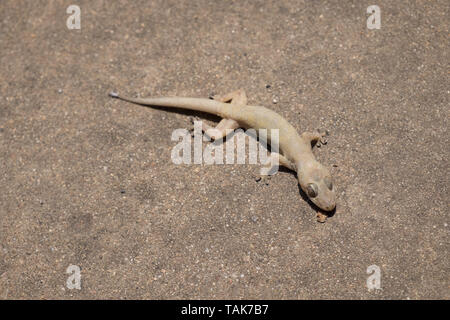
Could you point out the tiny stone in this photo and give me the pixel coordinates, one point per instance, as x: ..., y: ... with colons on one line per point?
x: 268, y: 86
x: 321, y: 217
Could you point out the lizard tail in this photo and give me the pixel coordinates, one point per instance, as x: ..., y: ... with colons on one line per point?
x: 197, y: 104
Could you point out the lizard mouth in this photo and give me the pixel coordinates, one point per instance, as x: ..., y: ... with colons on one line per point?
x: 324, y: 205
x: 329, y: 207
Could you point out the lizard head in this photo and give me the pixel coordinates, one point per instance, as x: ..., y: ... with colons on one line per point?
x: 315, y: 180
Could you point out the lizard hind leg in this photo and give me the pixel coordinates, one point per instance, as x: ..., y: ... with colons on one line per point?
x: 221, y: 130
x: 236, y: 97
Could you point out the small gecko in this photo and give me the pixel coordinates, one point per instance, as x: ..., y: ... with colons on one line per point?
x: 295, y: 149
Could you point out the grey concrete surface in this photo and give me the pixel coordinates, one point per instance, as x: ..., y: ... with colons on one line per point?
x: 87, y: 180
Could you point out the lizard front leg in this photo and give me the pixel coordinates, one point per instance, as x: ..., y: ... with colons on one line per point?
x: 273, y: 163
x: 266, y: 172
x: 237, y: 97
x: 221, y: 130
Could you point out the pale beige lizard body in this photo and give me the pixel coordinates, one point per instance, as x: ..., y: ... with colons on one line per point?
x: 295, y: 150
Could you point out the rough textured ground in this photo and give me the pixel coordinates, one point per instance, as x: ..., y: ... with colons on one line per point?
x: 87, y: 180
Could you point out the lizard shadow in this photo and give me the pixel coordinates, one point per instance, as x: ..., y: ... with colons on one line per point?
x: 306, y: 198
x: 186, y: 112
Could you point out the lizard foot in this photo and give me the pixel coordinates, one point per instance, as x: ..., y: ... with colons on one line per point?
x: 316, y: 138
x: 321, y: 217
x: 321, y: 134
x: 265, y: 179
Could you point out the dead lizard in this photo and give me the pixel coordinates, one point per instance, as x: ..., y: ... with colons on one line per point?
x: 295, y: 150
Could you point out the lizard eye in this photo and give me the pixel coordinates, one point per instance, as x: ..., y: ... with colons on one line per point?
x: 328, y: 182
x: 311, y: 190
